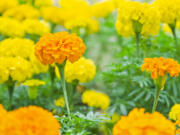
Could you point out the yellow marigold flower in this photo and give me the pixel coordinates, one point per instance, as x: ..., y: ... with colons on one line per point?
x: 82, y: 70
x: 28, y: 120
x: 33, y: 82
x: 56, y: 48
x: 160, y: 67
x: 7, y: 4
x: 60, y: 102
x: 22, y: 12
x: 175, y: 112
x: 169, y: 10
x: 13, y: 68
x: 16, y: 47
x: 140, y: 123
x: 135, y: 17
x: 103, y: 8
x: 96, y: 99
x: 36, y: 27
x: 11, y: 27
x: 54, y: 14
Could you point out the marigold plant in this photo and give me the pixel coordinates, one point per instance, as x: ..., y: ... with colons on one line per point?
x: 56, y: 48
x: 140, y: 123
x: 96, y: 99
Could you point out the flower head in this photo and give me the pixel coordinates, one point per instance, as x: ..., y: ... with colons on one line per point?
x: 175, y: 112
x: 36, y: 27
x: 160, y: 67
x: 12, y: 67
x: 60, y: 102
x: 135, y: 17
x: 140, y: 123
x: 56, y: 48
x: 169, y: 10
x: 82, y: 70
x: 96, y: 99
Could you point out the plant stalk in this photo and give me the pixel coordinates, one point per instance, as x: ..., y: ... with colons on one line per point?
x: 158, y: 91
x: 63, y: 83
x: 138, y: 44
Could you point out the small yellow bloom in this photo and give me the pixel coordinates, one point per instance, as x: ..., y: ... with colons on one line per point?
x: 60, y: 102
x: 174, y: 112
x: 82, y: 70
x: 96, y: 99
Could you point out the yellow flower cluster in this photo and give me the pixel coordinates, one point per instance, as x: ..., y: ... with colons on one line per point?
x: 103, y: 8
x: 96, y: 99
x: 36, y: 27
x: 12, y: 67
x: 23, y: 48
x: 169, y: 10
x: 11, y: 27
x: 137, y: 18
x: 82, y: 70
x: 7, y: 4
x: 22, y: 12
x: 174, y: 114
x: 140, y: 123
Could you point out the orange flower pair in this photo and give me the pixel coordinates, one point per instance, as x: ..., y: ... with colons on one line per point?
x: 160, y: 67
x: 30, y: 120
x: 56, y: 48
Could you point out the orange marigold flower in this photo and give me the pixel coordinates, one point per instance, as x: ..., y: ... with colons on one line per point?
x: 56, y: 48
x: 30, y: 120
x: 161, y: 66
x: 140, y: 123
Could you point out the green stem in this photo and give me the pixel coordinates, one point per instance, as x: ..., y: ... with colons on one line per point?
x: 10, y: 86
x: 158, y: 91
x: 52, y: 75
x: 138, y: 44
x: 63, y: 83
